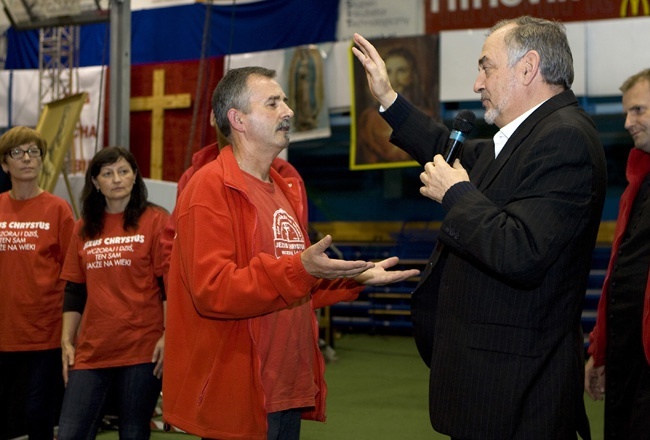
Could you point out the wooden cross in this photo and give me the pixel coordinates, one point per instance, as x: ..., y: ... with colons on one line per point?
x: 157, y: 104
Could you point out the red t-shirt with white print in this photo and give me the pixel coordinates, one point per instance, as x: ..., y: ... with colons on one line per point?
x: 285, y: 338
x: 34, y: 238
x: 123, y: 317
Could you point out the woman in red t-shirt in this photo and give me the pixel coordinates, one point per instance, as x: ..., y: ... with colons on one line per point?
x: 113, y: 312
x: 35, y: 229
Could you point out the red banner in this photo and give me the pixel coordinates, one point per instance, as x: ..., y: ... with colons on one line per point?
x: 472, y: 14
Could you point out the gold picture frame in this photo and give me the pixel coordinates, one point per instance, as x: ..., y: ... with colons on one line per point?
x: 57, y: 125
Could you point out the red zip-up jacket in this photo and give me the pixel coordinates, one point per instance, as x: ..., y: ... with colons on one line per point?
x: 638, y: 166
x: 199, y: 159
x: 218, y: 284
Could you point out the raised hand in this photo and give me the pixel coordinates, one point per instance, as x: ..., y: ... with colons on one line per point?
x: 376, y: 72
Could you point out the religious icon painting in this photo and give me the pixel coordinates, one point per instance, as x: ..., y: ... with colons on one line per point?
x: 412, y: 65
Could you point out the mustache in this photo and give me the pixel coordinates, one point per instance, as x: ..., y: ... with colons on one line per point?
x: 284, y: 125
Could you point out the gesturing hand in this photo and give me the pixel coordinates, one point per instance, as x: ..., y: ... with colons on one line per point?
x: 319, y: 265
x: 379, y: 276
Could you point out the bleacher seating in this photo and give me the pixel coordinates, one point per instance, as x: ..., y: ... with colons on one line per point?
x: 387, y: 309
x: 599, y: 263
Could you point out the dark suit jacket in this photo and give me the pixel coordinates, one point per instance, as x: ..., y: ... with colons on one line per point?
x: 497, y: 312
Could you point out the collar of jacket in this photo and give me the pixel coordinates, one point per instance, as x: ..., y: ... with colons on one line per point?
x: 233, y: 177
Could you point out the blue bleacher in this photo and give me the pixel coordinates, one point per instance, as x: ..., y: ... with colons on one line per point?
x: 387, y: 308
x: 599, y: 263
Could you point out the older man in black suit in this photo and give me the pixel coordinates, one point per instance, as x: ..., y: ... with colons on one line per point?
x: 497, y: 312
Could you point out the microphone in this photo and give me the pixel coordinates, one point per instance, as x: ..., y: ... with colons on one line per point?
x: 463, y: 124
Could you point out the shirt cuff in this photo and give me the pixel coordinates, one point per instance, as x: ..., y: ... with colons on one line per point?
x: 381, y: 107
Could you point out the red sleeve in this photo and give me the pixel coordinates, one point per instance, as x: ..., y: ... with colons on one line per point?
x: 182, y: 181
x: 328, y: 292
x: 168, y: 232
x: 166, y: 243
x: 73, y: 269
x: 65, y: 231
x: 158, y: 226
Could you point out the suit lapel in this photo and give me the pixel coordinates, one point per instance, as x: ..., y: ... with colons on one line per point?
x: 482, y: 166
x: 495, y: 165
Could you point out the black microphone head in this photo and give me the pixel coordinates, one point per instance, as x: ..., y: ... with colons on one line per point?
x: 464, y: 121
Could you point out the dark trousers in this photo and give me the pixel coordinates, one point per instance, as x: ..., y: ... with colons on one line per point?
x: 627, y: 402
x: 31, y: 389
x: 282, y: 425
x: 137, y: 391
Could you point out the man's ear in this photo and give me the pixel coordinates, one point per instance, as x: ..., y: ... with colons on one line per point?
x: 234, y: 117
x: 530, y: 66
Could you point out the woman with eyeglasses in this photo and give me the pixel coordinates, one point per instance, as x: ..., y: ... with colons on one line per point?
x: 113, y: 312
x: 35, y: 230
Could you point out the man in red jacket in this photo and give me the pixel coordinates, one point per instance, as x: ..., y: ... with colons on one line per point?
x: 620, y: 341
x: 242, y: 358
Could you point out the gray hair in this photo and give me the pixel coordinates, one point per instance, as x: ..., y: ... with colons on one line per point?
x: 634, y: 79
x: 233, y: 92
x: 546, y: 37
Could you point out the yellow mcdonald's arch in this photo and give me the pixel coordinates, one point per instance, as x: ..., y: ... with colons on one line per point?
x: 634, y: 7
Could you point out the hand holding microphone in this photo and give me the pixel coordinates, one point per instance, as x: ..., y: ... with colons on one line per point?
x: 462, y: 126
x: 441, y: 174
